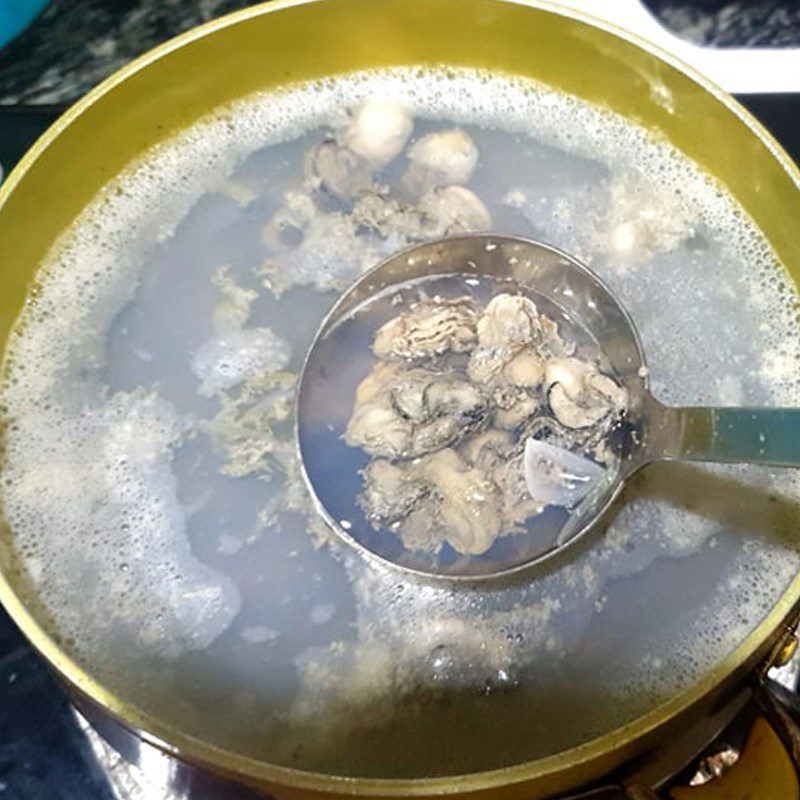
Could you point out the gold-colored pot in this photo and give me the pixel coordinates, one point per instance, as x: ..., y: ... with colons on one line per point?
x: 271, y: 45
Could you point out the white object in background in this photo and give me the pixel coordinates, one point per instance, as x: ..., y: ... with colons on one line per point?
x: 739, y: 70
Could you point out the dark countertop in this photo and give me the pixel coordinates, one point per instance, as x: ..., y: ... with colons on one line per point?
x: 74, y: 44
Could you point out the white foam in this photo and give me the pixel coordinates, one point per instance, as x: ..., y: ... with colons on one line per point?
x: 98, y: 481
x: 227, y: 359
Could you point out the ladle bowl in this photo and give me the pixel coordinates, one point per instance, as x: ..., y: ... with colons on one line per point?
x: 649, y: 430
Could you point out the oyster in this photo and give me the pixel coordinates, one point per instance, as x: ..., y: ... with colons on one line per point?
x: 640, y: 222
x: 447, y: 412
x: 498, y: 454
x: 507, y: 357
x: 405, y: 413
x: 429, y: 328
x: 448, y: 496
x: 391, y: 491
x: 453, y: 209
x: 434, y: 500
x: 469, y: 503
x: 488, y: 450
x: 378, y: 212
x: 378, y: 130
x: 337, y: 170
x: 509, y: 321
x: 580, y: 396
x: 440, y: 212
x: 375, y: 134
x: 509, y: 335
x: 514, y: 405
x: 525, y: 369
x: 442, y: 158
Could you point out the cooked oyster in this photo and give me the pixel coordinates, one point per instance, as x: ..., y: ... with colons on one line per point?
x: 525, y: 369
x: 499, y: 455
x: 579, y: 395
x: 442, y: 158
x: 391, y: 491
x: 440, y: 212
x: 640, y: 222
x: 429, y: 328
x: 508, y: 325
x: 488, y: 449
x: 434, y: 500
x: 378, y: 130
x: 389, y: 218
x: 514, y: 405
x: 509, y: 321
x: 510, y: 337
x: 406, y: 413
x: 453, y: 209
x: 376, y: 133
x: 449, y: 477
x: 448, y: 496
x: 469, y: 502
x: 337, y: 169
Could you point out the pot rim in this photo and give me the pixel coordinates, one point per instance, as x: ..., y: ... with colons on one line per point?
x: 253, y: 771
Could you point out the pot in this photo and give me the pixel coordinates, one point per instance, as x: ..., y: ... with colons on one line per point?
x: 268, y: 46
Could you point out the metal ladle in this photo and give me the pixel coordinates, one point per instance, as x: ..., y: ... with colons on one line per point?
x: 649, y: 431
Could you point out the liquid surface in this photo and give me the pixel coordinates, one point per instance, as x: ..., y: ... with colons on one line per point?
x: 152, y: 487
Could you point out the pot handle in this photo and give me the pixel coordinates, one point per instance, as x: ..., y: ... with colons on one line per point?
x: 782, y: 710
x: 779, y: 706
x: 738, y: 70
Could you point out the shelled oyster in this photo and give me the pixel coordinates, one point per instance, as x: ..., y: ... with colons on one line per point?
x: 375, y: 133
x: 463, y: 403
x: 441, y: 158
x: 579, y: 395
x: 432, y: 500
x: 343, y: 216
x: 429, y: 328
x: 406, y: 413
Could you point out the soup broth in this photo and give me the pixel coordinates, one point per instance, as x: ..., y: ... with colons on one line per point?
x: 159, y: 522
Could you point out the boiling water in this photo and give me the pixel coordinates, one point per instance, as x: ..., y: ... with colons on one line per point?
x: 150, y: 480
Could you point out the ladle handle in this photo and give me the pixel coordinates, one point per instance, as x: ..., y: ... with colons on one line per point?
x: 738, y: 435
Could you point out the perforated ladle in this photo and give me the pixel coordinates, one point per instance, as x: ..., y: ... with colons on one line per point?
x: 649, y: 431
